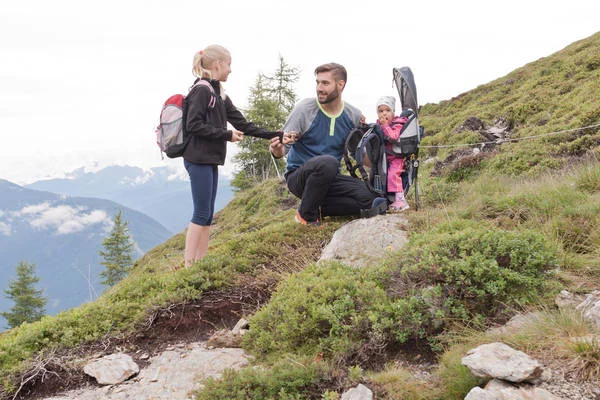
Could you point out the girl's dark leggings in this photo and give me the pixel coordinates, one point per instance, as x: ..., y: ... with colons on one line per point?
x: 204, y: 179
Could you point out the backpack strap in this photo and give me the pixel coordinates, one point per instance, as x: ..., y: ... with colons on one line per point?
x: 211, y: 103
x: 213, y: 99
x: 350, y: 146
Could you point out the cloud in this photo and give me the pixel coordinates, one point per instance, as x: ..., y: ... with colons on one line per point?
x: 138, y: 180
x: 63, y: 219
x: 35, y: 209
x: 4, y: 228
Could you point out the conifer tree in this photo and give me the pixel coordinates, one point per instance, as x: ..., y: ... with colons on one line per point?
x: 29, y: 303
x: 118, y: 252
x: 271, y: 100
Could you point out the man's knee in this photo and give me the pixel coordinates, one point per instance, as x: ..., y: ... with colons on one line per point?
x: 326, y: 164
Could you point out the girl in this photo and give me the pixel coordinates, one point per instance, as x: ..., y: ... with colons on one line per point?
x: 207, y: 114
x: 391, y: 126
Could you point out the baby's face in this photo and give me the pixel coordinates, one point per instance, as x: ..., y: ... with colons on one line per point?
x: 384, y: 114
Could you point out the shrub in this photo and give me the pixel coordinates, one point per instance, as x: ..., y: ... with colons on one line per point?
x: 469, y: 274
x: 286, y: 380
x: 328, y: 308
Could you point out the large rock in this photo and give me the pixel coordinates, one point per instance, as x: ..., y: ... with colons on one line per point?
x: 590, y: 307
x: 378, y: 236
x: 497, y: 360
x: 360, y: 392
x: 112, y: 369
x: 500, y: 390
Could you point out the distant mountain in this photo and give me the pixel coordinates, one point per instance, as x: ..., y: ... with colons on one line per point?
x: 62, y: 236
x: 159, y: 192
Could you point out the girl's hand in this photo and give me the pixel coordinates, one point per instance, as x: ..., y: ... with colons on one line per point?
x: 385, y: 119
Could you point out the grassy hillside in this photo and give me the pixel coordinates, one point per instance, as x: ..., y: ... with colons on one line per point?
x: 550, y: 95
x: 500, y: 230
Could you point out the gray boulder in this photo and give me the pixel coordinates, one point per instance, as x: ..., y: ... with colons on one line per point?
x: 378, y: 235
x: 360, y: 392
x: 500, y: 390
x: 112, y: 369
x: 497, y: 360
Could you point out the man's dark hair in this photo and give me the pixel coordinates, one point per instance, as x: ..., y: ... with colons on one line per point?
x: 339, y: 72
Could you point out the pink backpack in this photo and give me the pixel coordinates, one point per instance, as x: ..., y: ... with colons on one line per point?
x: 171, y: 137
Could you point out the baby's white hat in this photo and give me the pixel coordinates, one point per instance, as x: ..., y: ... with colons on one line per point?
x: 389, y: 101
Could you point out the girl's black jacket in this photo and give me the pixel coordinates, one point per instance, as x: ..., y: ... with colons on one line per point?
x: 207, y: 127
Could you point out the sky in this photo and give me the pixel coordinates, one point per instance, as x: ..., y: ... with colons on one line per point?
x: 82, y: 82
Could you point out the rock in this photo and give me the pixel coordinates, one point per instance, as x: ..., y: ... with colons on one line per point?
x: 378, y: 235
x: 566, y: 299
x: 590, y: 307
x: 360, y: 392
x: 478, y: 393
x: 242, y: 325
x: 471, y: 124
x: 517, y: 322
x: 497, y: 360
x: 229, y: 338
x: 500, y: 390
x: 225, y: 338
x: 112, y: 369
x: 171, y: 375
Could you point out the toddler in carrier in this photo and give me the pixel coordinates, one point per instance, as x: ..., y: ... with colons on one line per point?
x: 391, y: 126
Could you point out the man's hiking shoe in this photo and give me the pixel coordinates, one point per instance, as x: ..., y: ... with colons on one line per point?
x: 302, y: 221
x: 378, y: 207
x: 399, y: 206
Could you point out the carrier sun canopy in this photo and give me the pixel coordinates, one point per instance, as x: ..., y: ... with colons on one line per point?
x: 405, y: 82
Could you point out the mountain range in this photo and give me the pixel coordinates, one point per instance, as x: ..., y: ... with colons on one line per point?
x: 161, y: 192
x: 59, y: 224
x: 62, y: 235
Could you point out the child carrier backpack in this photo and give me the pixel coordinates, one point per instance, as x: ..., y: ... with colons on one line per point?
x: 364, y: 156
x: 171, y: 136
x: 365, y: 153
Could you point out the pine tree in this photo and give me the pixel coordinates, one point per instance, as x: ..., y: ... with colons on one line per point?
x: 271, y: 100
x: 29, y: 303
x: 117, y: 253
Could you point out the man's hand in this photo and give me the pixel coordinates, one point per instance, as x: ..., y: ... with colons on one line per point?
x: 290, y: 137
x: 237, y: 136
x: 276, y: 147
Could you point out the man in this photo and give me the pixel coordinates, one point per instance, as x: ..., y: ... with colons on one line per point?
x: 316, y: 131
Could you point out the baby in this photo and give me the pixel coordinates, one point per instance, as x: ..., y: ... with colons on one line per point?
x: 391, y: 126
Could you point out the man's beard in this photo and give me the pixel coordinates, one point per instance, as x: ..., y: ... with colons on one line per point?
x: 330, y: 97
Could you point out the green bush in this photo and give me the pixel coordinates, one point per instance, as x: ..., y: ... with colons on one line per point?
x: 285, y: 380
x: 468, y: 274
x: 328, y: 308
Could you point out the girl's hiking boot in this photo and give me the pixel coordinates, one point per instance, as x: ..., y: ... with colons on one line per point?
x: 400, y: 204
x: 302, y: 221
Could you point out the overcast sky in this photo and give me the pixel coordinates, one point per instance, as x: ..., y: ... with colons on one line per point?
x: 82, y: 83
